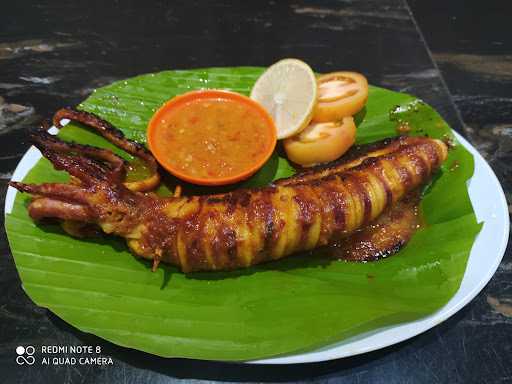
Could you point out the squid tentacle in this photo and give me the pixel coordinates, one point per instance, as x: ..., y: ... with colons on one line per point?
x: 47, y: 207
x: 47, y: 143
x: 81, y: 168
x: 60, y: 201
x: 64, y: 192
x: 116, y: 137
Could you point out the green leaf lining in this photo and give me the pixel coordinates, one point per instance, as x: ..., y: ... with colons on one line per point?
x: 283, y: 307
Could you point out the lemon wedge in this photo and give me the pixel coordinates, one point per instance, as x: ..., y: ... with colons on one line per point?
x: 288, y: 91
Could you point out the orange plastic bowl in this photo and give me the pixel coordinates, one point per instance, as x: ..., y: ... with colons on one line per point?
x: 212, y: 137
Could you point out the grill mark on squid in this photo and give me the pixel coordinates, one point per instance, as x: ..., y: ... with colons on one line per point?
x: 433, y: 159
x: 336, y: 202
x: 421, y: 167
x: 357, y: 185
x: 378, y: 173
x: 406, y: 179
x: 268, y: 221
x: 306, y: 213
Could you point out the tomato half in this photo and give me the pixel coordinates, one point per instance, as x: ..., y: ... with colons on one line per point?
x: 340, y: 94
x: 321, y: 142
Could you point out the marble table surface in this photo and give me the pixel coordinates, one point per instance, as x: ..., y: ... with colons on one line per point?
x: 456, y: 56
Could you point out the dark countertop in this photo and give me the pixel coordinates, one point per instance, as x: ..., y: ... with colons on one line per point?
x: 456, y: 57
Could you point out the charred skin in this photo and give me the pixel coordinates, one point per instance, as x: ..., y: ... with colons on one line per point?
x: 116, y: 137
x: 247, y: 226
x: 384, y: 236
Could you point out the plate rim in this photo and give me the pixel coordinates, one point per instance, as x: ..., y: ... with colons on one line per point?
x: 333, y: 352
x: 336, y: 351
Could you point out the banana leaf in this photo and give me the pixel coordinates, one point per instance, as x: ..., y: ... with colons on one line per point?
x: 297, y: 304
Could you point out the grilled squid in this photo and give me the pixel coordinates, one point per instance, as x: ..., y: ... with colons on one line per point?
x: 240, y: 228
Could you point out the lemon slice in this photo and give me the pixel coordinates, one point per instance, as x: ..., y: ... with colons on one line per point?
x: 287, y: 90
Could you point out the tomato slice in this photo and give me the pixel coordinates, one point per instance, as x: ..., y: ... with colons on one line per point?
x: 321, y: 142
x: 340, y: 94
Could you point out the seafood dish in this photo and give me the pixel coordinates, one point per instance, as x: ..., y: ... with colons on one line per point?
x: 231, y: 230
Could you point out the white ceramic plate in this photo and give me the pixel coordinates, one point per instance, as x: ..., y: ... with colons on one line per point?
x: 490, y: 207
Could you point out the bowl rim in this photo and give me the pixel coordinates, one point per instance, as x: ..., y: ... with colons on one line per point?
x: 154, y: 125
